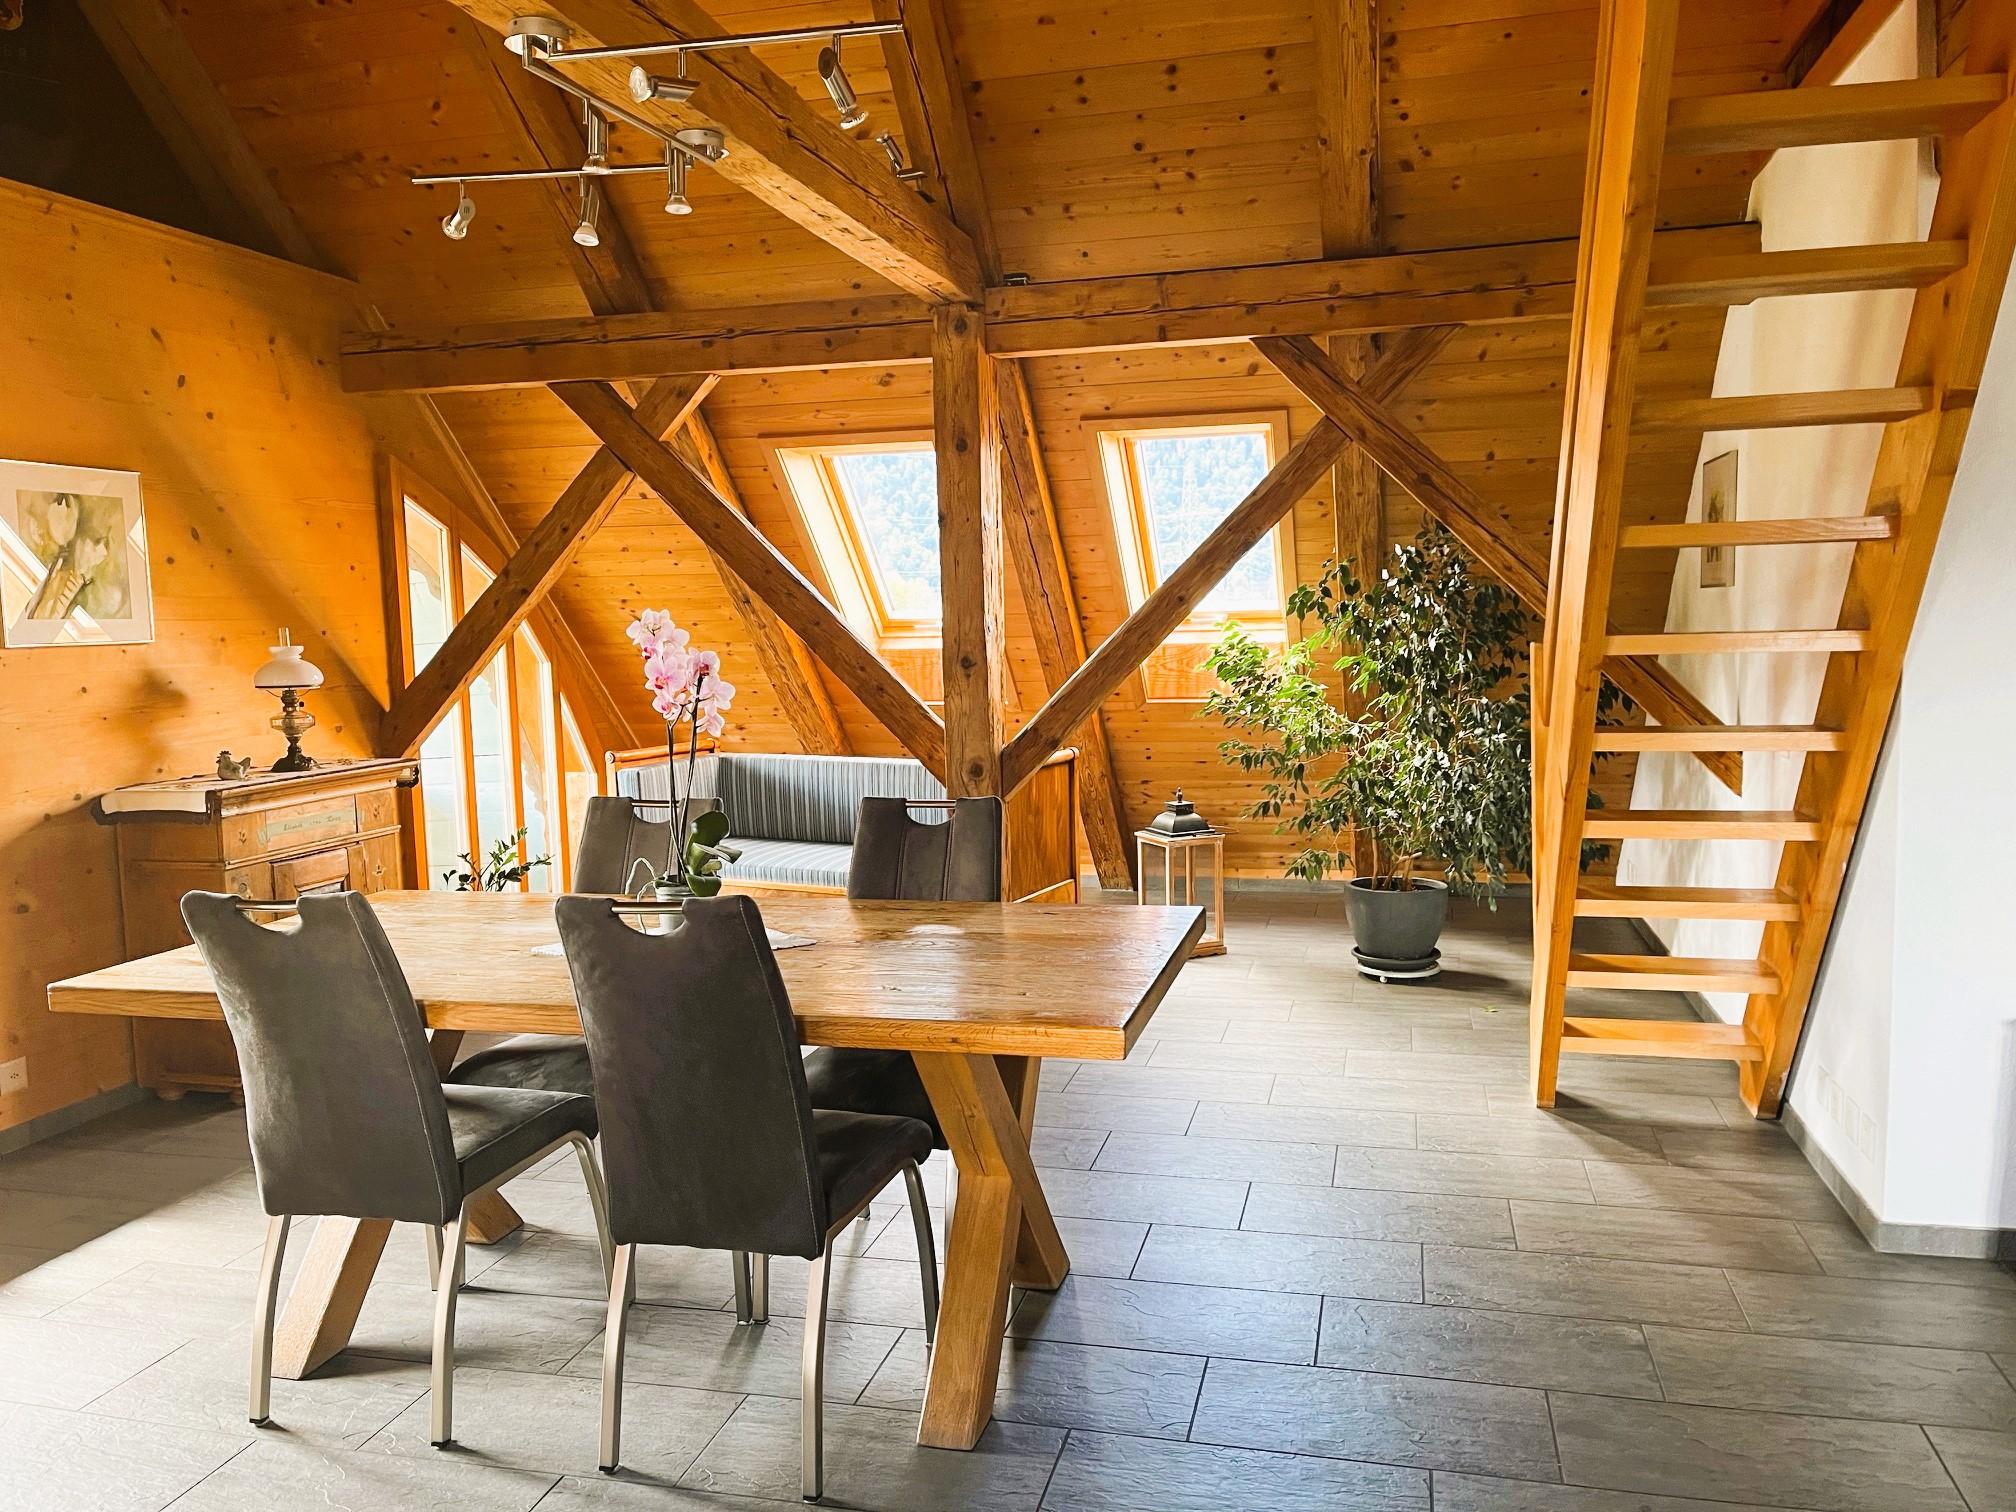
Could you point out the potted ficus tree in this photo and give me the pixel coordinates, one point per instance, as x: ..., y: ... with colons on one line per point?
x: 1428, y: 754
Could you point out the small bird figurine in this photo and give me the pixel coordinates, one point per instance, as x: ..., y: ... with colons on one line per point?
x: 233, y: 769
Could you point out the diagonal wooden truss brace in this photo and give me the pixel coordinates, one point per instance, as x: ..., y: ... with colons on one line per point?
x: 767, y: 572
x: 1170, y: 604
x: 528, y: 576
x: 1415, y: 467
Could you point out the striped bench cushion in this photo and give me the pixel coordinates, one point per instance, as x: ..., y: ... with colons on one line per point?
x: 811, y: 798
x: 806, y: 863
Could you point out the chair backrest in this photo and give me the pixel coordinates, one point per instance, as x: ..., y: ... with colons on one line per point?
x: 344, y: 1105
x: 614, y: 834
x: 699, y: 1083
x: 897, y: 856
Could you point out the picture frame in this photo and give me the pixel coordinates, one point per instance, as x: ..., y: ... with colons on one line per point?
x: 73, y: 557
x: 1718, y: 506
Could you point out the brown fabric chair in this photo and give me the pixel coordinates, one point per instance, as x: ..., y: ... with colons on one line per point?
x: 347, y: 1115
x: 711, y: 1140
x: 898, y: 857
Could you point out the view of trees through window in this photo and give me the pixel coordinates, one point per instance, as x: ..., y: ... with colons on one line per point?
x: 1188, y: 484
x: 894, y: 499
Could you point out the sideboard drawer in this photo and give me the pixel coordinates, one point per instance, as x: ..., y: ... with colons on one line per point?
x: 324, y: 871
x: 265, y: 831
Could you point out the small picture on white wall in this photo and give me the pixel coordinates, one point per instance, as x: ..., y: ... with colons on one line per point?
x: 73, y: 557
x: 1718, y: 506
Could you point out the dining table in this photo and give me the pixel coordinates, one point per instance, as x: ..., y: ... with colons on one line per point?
x: 979, y: 995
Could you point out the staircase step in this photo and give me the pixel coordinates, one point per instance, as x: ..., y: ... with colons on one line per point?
x: 1672, y: 1038
x: 1732, y: 278
x: 1719, y: 738
x: 1659, y: 973
x: 1780, y: 411
x: 1760, y: 532
x: 1600, y: 899
x: 1733, y: 642
x: 1891, y: 111
x: 1698, y: 824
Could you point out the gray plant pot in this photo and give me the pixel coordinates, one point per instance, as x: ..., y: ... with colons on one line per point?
x: 1396, y: 926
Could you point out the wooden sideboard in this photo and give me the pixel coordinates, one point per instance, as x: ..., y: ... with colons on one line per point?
x: 268, y: 836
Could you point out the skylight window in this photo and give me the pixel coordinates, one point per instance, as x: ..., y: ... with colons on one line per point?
x: 870, y: 511
x: 892, y: 497
x: 1170, y: 486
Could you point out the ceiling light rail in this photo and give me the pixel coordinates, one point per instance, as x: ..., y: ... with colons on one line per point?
x: 541, y: 41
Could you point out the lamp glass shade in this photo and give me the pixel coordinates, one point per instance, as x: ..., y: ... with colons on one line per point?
x: 287, y: 669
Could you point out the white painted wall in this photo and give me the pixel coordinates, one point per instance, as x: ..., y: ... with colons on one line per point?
x: 1907, y: 1077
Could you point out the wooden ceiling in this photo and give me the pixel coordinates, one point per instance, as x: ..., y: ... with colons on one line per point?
x: 1117, y: 138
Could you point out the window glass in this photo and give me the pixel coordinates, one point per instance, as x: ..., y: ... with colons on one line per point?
x: 444, y: 804
x: 538, y: 774
x: 893, y: 499
x: 1188, y: 484
x: 489, y: 729
x: 427, y: 583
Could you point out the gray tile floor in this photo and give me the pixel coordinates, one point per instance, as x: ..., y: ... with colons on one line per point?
x: 1325, y: 1256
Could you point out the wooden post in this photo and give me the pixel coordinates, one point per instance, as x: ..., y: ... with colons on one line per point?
x: 964, y: 407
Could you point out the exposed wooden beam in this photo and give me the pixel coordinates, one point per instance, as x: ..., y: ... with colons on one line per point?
x: 1526, y: 281
x: 610, y: 274
x: 785, y: 661
x: 1888, y: 110
x: 783, y: 150
x: 966, y: 436
x: 527, y: 577
x: 1184, y: 589
x: 1836, y: 39
x: 1448, y: 499
x: 931, y: 103
x: 1036, y: 547
x: 767, y: 571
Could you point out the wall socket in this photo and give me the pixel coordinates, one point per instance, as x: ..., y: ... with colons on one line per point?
x: 14, y: 1075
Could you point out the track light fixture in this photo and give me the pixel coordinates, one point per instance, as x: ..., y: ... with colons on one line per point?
x: 676, y: 164
x: 588, y: 232
x: 905, y: 174
x: 598, y: 139
x: 455, y: 224
x: 834, y: 77
x: 645, y: 86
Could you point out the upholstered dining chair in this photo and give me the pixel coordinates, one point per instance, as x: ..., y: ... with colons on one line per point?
x: 897, y: 856
x: 710, y: 1138
x: 615, y: 836
x: 347, y: 1114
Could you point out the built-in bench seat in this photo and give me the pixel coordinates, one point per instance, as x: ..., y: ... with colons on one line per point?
x: 792, y: 816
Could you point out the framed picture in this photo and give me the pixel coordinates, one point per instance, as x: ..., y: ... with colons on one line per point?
x: 73, y: 557
x: 1718, y: 505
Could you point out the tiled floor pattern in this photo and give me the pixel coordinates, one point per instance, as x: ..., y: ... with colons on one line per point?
x: 1325, y: 1256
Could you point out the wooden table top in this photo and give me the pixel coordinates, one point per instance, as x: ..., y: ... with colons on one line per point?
x: 1069, y: 980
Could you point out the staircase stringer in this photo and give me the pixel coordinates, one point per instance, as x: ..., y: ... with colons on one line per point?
x: 1945, y: 349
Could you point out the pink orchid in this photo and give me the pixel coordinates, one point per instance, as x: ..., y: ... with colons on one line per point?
x: 682, y: 682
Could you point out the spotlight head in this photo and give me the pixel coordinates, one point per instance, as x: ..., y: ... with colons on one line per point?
x: 646, y: 86
x: 676, y: 166
x: 834, y: 77
x: 587, y: 232
x: 455, y: 224
x: 598, y: 137
x: 529, y: 36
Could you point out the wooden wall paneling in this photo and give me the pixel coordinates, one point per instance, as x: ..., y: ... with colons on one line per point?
x: 786, y: 154
x: 966, y: 438
x: 763, y: 568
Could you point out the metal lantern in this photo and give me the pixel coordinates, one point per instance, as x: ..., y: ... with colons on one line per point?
x: 1182, y: 837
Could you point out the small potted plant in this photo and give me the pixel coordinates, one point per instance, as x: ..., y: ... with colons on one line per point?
x: 1430, y: 758
x: 504, y: 867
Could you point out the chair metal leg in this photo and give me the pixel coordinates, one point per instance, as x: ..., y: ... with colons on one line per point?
x: 759, y: 1288
x: 433, y: 1256
x: 814, y: 1384
x: 927, y: 1251
x: 738, y: 1261
x: 264, y: 1306
x: 456, y: 1234
x: 613, y: 1329
x: 598, y: 1199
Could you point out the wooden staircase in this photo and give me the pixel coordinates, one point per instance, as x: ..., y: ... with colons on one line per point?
x: 1958, y: 272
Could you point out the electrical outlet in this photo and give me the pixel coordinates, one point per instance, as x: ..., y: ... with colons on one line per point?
x: 14, y: 1076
